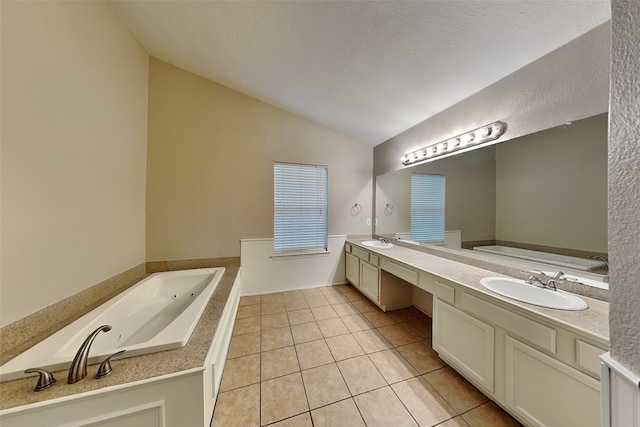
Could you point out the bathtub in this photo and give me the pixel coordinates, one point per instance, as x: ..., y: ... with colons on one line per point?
x: 582, y: 264
x: 158, y: 313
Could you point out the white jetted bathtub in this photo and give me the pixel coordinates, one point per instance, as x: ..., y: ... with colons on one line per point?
x: 158, y: 313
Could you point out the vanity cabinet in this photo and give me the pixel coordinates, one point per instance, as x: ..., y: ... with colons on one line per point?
x: 370, y: 281
x: 365, y: 271
x: 545, y: 392
x: 465, y: 342
x: 352, y: 269
x: 362, y: 271
x: 543, y: 374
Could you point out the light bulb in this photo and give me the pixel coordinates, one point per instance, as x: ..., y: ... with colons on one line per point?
x: 466, y: 139
x: 482, y: 132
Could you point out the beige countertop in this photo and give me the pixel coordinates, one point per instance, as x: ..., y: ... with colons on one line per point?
x: 592, y: 322
x: 192, y: 355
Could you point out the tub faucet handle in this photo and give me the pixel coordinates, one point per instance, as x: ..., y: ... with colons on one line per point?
x: 45, y: 380
x: 105, y: 367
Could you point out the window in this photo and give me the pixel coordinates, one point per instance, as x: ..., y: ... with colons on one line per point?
x: 427, y: 207
x: 300, y: 208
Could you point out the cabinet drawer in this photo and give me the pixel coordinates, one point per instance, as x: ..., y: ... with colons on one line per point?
x: 445, y: 292
x: 374, y: 260
x: 426, y: 282
x: 360, y: 253
x: 534, y: 332
x: 402, y: 272
x: 588, y: 357
x: 347, y: 248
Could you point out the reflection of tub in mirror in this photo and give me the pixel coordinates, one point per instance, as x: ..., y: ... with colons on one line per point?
x: 452, y: 239
x: 572, y: 262
x: 547, y: 189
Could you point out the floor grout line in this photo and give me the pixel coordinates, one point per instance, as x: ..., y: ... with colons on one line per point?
x: 397, y: 320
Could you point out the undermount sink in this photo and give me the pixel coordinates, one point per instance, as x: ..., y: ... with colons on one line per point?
x: 377, y: 244
x: 532, y: 294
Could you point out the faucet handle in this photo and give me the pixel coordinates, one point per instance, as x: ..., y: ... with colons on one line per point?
x: 105, y: 367
x: 530, y: 275
x: 532, y: 279
x: 45, y: 380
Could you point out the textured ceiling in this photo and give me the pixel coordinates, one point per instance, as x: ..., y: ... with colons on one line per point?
x: 367, y: 69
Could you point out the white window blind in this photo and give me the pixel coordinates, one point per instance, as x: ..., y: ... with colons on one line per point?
x: 300, y: 208
x: 427, y: 207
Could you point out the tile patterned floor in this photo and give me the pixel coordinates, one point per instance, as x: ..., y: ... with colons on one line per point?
x: 329, y: 357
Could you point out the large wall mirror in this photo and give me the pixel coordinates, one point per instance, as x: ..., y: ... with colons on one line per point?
x: 544, y: 191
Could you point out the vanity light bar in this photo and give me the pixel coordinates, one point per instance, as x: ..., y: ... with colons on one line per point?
x: 467, y: 141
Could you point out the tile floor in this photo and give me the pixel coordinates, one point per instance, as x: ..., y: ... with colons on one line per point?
x: 329, y: 357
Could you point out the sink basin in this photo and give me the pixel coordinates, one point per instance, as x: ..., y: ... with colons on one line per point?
x: 377, y: 244
x: 532, y: 294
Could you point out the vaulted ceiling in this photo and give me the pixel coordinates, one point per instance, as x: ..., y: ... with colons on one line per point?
x: 367, y: 69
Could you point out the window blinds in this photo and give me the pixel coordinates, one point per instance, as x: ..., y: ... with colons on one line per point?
x: 427, y: 207
x: 300, y: 208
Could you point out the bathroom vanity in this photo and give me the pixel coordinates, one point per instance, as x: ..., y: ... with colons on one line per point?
x: 541, y: 365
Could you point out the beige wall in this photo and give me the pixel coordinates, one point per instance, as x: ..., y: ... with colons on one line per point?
x: 74, y: 104
x: 470, y: 199
x: 551, y: 187
x: 210, y: 167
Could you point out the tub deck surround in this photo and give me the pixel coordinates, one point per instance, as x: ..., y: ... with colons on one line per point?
x: 593, y: 322
x: 158, y: 313
x: 191, y: 356
x: 189, y: 264
x: 23, y: 334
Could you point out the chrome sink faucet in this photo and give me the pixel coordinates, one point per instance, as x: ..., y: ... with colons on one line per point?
x: 383, y: 240
x: 78, y: 368
x: 534, y: 280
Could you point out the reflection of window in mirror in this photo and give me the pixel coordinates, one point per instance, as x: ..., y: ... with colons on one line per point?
x: 427, y: 207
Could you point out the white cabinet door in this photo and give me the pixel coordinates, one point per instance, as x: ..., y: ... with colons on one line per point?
x: 465, y: 342
x: 545, y: 392
x: 353, y: 269
x: 369, y: 281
